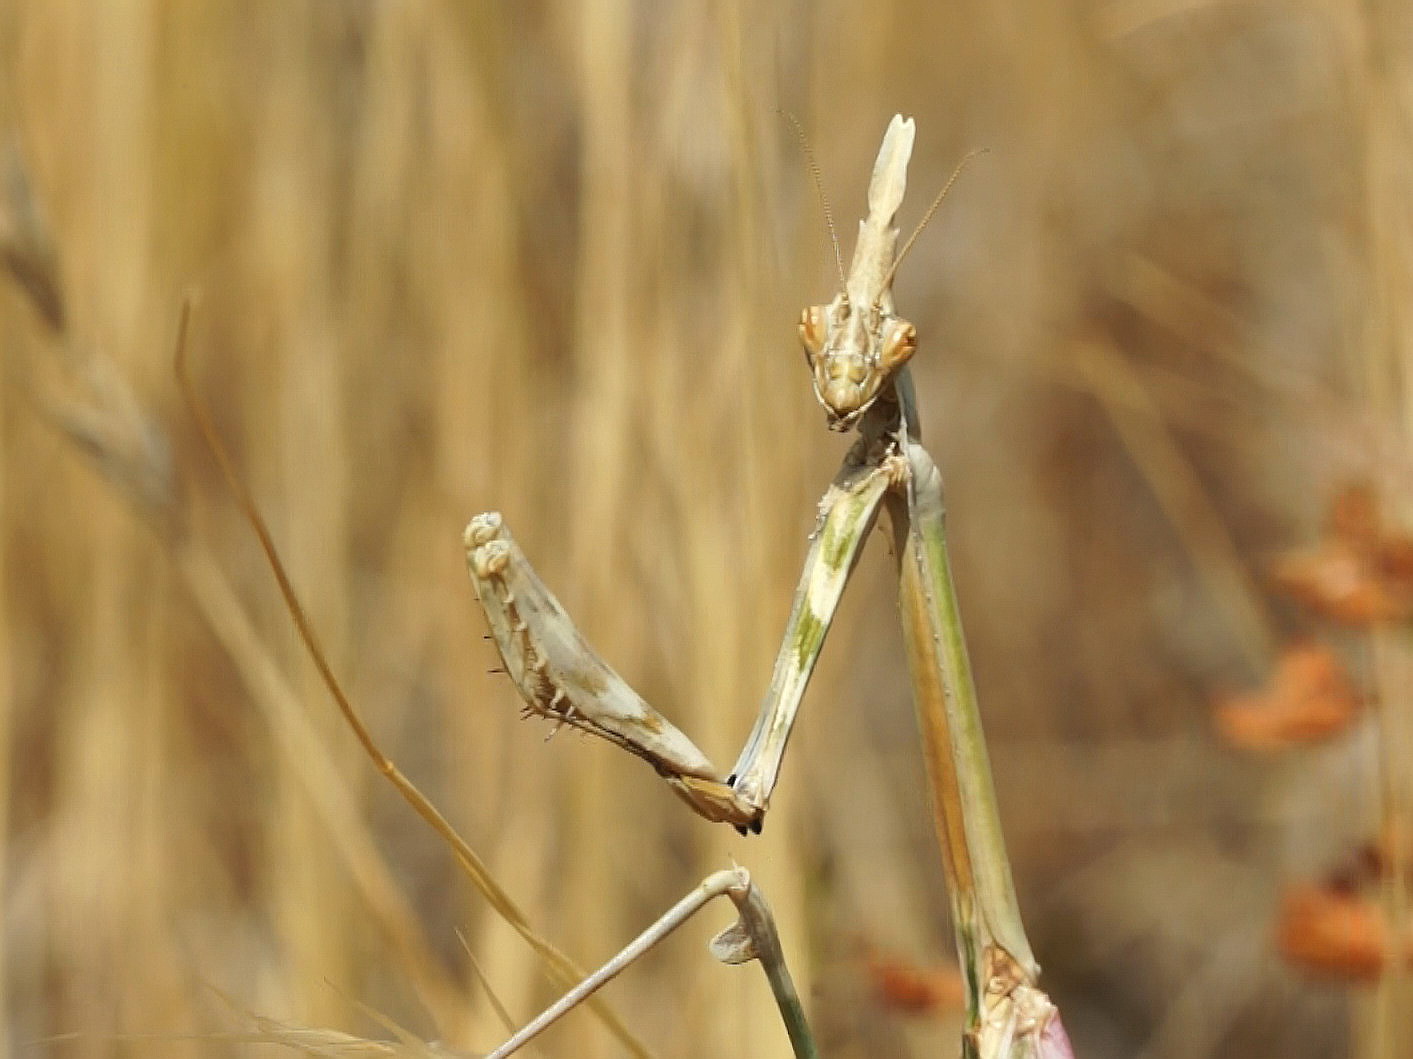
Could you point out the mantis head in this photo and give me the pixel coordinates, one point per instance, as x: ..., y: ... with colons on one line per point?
x: 856, y: 344
x: 853, y: 352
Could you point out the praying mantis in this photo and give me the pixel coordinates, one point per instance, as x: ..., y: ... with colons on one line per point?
x: 857, y: 349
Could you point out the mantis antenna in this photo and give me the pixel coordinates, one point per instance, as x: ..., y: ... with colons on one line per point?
x: 823, y: 198
x: 888, y: 279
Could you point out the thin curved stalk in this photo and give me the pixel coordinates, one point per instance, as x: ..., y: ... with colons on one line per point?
x: 751, y: 937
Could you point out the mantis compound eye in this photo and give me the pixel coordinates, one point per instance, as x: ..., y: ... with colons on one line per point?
x: 898, y: 345
x: 813, y: 331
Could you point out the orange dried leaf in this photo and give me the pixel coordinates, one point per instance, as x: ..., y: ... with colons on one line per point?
x: 1309, y: 698
x: 1359, y: 574
x: 914, y: 989
x: 1331, y: 933
x: 1338, y: 582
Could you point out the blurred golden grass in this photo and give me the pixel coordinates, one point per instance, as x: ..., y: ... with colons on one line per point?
x: 547, y: 259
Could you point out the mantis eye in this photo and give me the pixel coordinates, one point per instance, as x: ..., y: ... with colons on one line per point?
x: 813, y: 329
x: 899, y: 344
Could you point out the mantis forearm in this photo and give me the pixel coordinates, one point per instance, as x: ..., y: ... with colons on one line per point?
x: 847, y: 514
x: 560, y: 676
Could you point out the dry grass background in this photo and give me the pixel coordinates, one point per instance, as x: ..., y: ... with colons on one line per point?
x: 547, y: 258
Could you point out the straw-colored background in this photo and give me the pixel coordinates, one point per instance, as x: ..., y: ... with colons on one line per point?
x: 547, y: 259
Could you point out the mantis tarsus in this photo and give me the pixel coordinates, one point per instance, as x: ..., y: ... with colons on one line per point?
x: 857, y: 349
